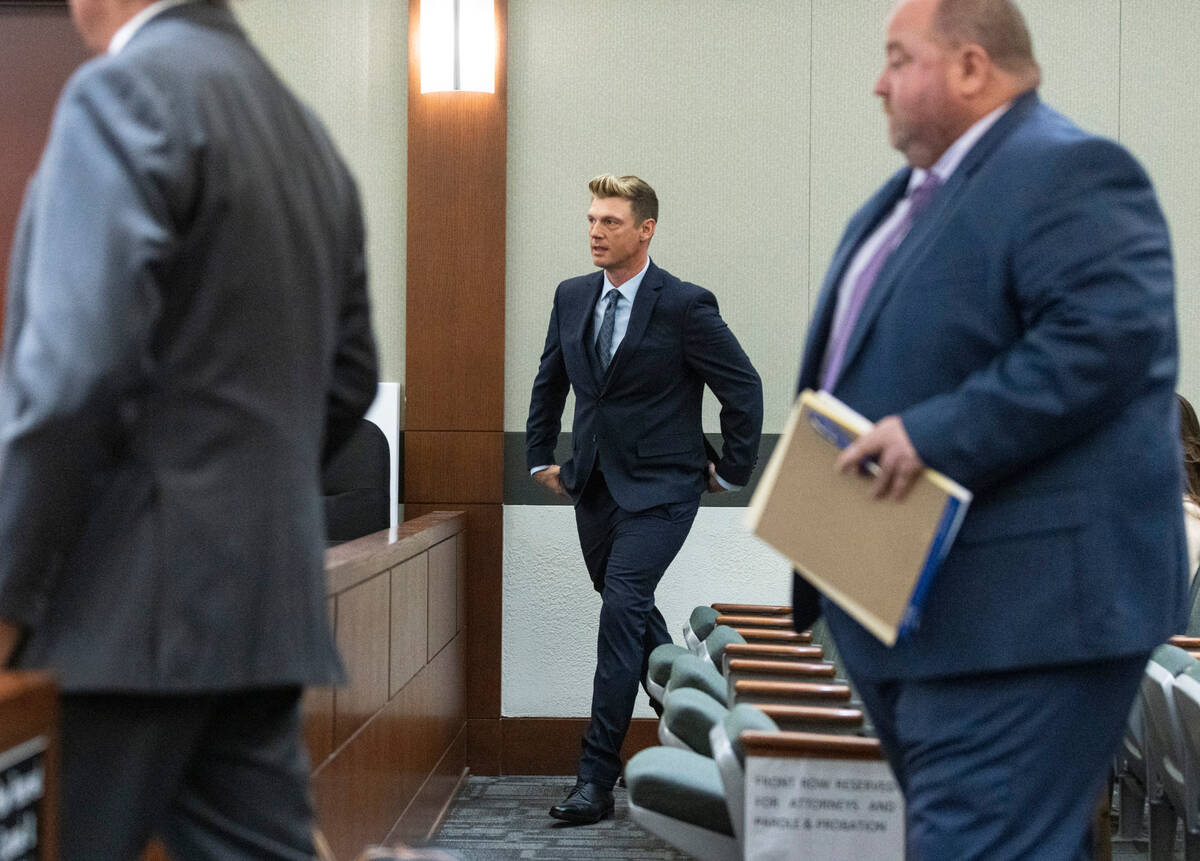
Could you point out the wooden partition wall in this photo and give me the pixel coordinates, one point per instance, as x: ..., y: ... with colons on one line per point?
x: 29, y: 766
x: 454, y: 349
x: 389, y: 748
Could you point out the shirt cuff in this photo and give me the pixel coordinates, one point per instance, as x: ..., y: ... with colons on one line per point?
x: 539, y: 468
x: 725, y: 484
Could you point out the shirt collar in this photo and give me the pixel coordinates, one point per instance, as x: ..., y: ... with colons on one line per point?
x: 121, y: 38
x: 629, y: 288
x: 957, y: 151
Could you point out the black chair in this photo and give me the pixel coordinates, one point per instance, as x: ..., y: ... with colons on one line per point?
x: 355, y: 485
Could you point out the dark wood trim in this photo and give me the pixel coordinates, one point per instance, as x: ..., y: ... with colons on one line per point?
x: 28, y: 711
x: 534, y: 745
x: 807, y: 744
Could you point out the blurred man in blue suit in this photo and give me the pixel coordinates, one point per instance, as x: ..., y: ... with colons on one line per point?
x: 638, y: 346
x: 186, y: 339
x: 1003, y: 309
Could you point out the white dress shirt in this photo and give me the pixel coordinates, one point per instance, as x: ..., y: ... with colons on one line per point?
x: 121, y: 38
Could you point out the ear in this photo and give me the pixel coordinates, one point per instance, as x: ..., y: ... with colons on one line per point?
x: 646, y: 230
x: 972, y: 70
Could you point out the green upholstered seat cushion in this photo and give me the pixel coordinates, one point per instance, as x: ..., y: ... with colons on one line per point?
x: 741, y: 718
x: 679, y: 784
x: 702, y: 621
x: 688, y: 671
x: 690, y: 715
x: 721, y: 636
x: 661, y: 659
x: 1172, y: 659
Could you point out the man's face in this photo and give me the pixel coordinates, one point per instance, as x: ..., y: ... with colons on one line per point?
x: 615, y: 238
x: 914, y: 85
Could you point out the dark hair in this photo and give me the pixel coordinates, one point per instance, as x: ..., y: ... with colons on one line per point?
x: 1189, y: 435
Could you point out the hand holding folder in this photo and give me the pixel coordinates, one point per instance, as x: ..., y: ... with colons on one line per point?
x: 874, y: 558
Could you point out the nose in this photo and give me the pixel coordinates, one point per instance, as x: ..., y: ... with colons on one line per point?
x: 594, y: 230
x: 881, y: 87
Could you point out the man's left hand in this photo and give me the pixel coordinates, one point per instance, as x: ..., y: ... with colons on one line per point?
x: 886, y: 445
x: 714, y: 486
x: 10, y: 636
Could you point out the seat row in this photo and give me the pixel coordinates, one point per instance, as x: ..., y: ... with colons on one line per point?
x: 1159, y: 761
x: 765, y: 751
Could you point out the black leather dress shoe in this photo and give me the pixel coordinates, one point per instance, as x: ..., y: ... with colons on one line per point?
x: 585, y: 804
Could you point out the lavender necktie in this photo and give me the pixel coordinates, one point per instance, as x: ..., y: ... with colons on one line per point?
x: 835, y: 353
x: 604, y: 338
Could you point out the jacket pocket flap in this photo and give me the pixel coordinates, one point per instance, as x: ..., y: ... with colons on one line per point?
x: 664, y: 445
x: 1028, y: 515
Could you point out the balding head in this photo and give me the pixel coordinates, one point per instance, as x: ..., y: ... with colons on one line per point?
x: 997, y: 26
x: 940, y: 76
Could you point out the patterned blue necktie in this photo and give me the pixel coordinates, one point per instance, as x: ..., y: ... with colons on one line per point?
x: 604, y: 339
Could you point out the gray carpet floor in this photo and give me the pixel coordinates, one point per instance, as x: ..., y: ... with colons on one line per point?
x: 505, y: 819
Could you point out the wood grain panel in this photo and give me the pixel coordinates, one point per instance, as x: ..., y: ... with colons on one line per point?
x: 317, y: 706
x: 484, y: 593
x: 463, y: 466
x: 443, y: 584
x: 552, y: 745
x: 28, y: 710
x: 483, y: 746
x: 363, y: 791
x: 410, y: 620
x: 460, y: 582
x: 454, y: 331
x: 363, y: 637
x: 38, y: 51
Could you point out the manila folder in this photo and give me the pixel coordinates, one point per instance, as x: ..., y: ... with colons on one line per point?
x: 874, y: 558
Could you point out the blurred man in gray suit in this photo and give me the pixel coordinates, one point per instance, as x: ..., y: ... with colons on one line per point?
x: 187, y: 338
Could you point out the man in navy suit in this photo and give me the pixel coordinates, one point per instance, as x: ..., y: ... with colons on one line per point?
x: 1003, y: 309
x: 638, y: 346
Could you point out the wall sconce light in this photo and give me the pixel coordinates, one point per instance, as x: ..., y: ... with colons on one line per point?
x: 458, y: 45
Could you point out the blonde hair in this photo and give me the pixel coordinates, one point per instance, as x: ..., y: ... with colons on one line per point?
x: 642, y: 199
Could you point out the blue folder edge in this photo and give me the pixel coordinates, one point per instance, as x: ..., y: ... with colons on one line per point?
x: 943, y: 537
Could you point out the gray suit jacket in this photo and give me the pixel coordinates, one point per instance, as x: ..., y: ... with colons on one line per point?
x: 187, y: 331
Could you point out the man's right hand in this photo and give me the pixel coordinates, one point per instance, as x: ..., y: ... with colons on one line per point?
x: 548, y: 477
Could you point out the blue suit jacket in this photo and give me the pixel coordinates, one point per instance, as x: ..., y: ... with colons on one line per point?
x: 640, y: 421
x: 1024, y: 332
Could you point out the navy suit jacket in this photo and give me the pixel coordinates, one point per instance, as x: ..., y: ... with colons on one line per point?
x: 187, y: 330
x: 1024, y: 332
x: 640, y: 422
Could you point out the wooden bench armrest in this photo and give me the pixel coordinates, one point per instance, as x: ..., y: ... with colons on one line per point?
x: 810, y: 744
x: 1183, y: 642
x: 784, y: 669
x: 775, y: 651
x: 768, y: 635
x: 753, y: 609
x: 834, y: 716
x: 799, y: 690
x: 782, y: 622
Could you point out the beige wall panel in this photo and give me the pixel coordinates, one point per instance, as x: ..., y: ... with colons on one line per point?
x: 850, y: 152
x: 363, y: 637
x: 705, y: 99
x: 1160, y: 76
x: 350, y: 67
x: 443, y: 588
x: 410, y: 620
x: 1078, y: 45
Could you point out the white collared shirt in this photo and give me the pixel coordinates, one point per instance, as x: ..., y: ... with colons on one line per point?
x: 121, y: 38
x: 943, y: 169
x: 628, y: 292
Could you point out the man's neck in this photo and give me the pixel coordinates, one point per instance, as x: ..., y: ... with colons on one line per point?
x: 620, y: 274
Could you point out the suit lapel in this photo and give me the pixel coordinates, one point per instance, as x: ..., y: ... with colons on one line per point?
x: 639, y: 317
x: 928, y: 225
x: 577, y: 346
x: 860, y: 227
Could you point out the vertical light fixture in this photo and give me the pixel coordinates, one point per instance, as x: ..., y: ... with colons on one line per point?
x: 458, y: 45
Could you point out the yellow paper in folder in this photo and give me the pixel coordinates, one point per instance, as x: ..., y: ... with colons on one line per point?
x: 874, y: 558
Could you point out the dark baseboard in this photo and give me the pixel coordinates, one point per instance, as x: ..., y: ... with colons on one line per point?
x: 534, y: 745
